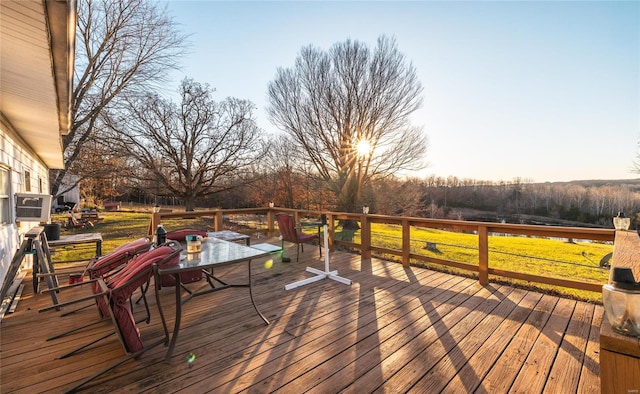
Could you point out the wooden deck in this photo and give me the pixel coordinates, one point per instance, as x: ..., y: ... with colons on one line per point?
x: 393, y: 330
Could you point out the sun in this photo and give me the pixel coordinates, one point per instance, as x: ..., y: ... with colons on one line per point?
x: 363, y: 147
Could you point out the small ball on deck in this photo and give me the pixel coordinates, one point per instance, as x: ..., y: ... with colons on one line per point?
x: 190, y: 359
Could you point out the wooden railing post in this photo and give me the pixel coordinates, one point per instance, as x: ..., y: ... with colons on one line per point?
x: 218, y: 221
x: 332, y: 231
x: 406, y: 243
x: 155, y: 221
x: 296, y: 217
x: 483, y: 255
x: 365, y: 238
x: 270, y: 218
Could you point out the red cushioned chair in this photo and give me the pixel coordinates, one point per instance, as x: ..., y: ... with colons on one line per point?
x: 74, y: 222
x: 117, y: 291
x: 291, y: 233
x: 187, y: 277
x: 108, y: 263
x: 181, y: 235
x: 97, y: 268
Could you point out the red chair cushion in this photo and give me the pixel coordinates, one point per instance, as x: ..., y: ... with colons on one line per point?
x: 187, y: 277
x: 120, y: 255
x: 306, y: 237
x: 134, y: 275
x: 180, y: 235
x: 141, y: 262
x: 287, y: 226
x: 111, y: 261
x: 129, y: 332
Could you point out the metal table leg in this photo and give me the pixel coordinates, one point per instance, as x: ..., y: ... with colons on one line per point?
x: 251, y: 295
x: 176, y: 326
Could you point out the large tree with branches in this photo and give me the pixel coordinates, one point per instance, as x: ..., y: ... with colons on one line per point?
x: 193, y: 149
x: 348, y: 109
x: 123, y: 48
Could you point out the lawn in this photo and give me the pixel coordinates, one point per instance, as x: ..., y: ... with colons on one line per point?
x: 557, y: 258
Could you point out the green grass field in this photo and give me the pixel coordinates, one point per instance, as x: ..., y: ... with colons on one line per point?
x: 538, y: 256
x: 556, y: 258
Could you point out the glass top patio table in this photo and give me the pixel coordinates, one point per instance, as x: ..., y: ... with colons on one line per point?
x: 215, y: 253
x: 228, y: 235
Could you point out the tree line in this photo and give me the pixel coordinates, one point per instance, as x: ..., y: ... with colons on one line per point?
x: 589, y: 202
x: 344, y: 132
x: 592, y: 203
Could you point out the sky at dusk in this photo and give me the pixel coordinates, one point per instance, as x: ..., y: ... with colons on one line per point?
x: 542, y: 91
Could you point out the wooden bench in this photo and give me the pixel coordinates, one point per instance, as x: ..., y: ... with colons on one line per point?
x: 112, y: 206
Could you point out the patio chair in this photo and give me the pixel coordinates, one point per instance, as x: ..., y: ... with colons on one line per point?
x: 187, y: 277
x: 74, y: 222
x: 118, y: 258
x: 102, y: 268
x: 292, y: 233
x: 117, y: 291
x: 108, y: 263
x: 181, y: 234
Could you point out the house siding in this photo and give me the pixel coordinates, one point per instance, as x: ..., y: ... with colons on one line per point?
x: 18, y: 158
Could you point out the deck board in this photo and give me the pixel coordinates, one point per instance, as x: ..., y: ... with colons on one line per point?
x: 442, y: 337
x: 571, y: 353
x: 470, y: 376
x: 533, y: 376
x: 447, y: 368
x: 590, y: 369
x: 394, y: 329
x: 502, y: 374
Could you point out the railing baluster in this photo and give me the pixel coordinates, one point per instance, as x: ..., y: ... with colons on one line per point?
x: 483, y: 255
x: 406, y: 243
x: 365, y: 238
x: 217, y: 223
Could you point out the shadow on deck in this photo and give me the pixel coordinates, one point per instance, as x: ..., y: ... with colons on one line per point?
x: 393, y: 330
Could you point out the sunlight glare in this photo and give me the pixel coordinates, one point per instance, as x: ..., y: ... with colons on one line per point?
x: 363, y: 147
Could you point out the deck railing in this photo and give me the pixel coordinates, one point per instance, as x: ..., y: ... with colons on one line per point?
x: 481, y: 229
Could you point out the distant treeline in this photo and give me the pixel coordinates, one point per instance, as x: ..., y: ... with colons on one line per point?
x: 590, y: 202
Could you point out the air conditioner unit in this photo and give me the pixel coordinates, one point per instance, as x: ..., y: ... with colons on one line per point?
x: 33, y: 207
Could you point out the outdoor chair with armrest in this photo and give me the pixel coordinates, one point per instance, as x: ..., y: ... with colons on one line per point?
x: 124, y: 253
x: 116, y: 292
x: 104, y: 265
x: 74, y: 222
x: 187, y: 277
x: 102, y: 268
x: 292, y: 233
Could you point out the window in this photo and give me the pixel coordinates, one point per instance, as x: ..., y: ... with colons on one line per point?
x: 5, y: 193
x: 27, y: 181
x: 40, y: 185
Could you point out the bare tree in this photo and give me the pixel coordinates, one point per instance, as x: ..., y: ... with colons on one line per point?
x: 194, y: 149
x: 402, y: 197
x: 98, y: 159
x: 123, y: 47
x: 284, y: 171
x: 333, y: 104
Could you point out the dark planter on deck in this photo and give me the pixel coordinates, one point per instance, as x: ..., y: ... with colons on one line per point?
x: 52, y: 231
